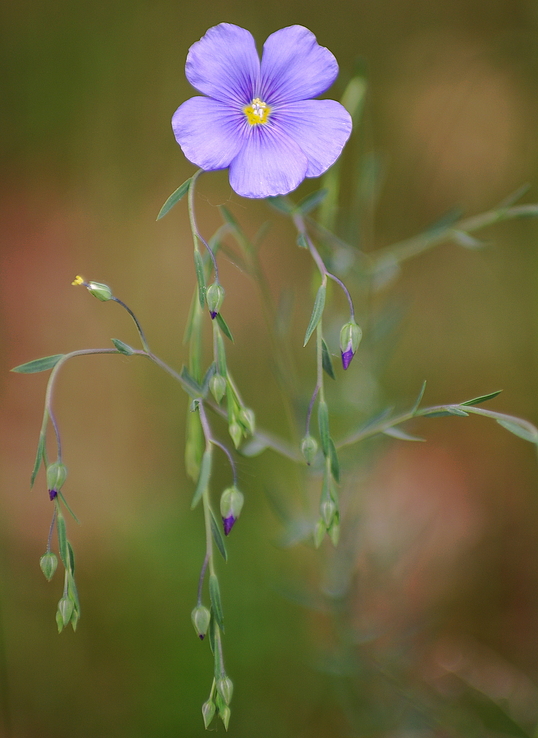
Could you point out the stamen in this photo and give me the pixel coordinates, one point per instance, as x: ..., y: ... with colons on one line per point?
x: 257, y: 112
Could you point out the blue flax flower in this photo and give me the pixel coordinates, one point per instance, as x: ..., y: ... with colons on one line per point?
x: 258, y: 118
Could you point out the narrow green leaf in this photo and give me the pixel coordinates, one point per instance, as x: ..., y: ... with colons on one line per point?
x: 205, y: 384
x: 282, y: 204
x: 203, y: 479
x: 444, y: 223
x: 229, y: 218
x: 64, y: 502
x: 326, y: 360
x: 224, y: 327
x: 62, y: 539
x: 217, y: 537
x: 448, y: 410
x: 200, y: 276
x: 38, y: 365
x: 221, y: 355
x: 323, y: 425
x: 419, y: 398
x: 308, y: 203
x: 214, y: 596
x: 211, y: 633
x: 123, y: 348
x: 335, y: 464
x: 481, y: 399
x: 174, y: 198
x: 519, y: 430
x: 71, y: 558
x: 514, y: 197
x: 72, y: 591
x: 193, y: 387
x: 317, y: 312
x: 38, y: 459
x: 401, y: 435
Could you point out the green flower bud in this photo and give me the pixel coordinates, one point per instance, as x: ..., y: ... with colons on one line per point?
x: 224, y: 715
x: 231, y: 504
x: 59, y: 621
x: 217, y: 385
x: 334, y: 530
x: 65, y: 609
x: 309, y: 448
x: 350, y: 337
x: 48, y: 563
x: 225, y: 688
x: 56, y: 476
x: 214, y: 297
x: 319, y: 533
x: 208, y: 712
x: 75, y: 618
x: 327, y: 509
x: 247, y: 419
x: 236, y: 433
x: 200, y: 617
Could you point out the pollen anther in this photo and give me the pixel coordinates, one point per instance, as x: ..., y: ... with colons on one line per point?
x: 257, y: 112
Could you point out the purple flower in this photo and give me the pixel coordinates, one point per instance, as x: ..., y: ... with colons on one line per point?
x: 228, y: 523
x: 258, y: 118
x: 52, y: 494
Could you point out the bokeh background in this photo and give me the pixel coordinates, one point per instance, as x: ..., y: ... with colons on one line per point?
x: 425, y: 622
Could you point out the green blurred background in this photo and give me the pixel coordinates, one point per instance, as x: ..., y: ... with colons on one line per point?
x: 425, y: 621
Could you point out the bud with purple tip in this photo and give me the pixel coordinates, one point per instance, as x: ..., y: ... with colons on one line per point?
x: 231, y: 504
x: 214, y: 297
x: 56, y: 476
x: 200, y: 617
x: 350, y: 337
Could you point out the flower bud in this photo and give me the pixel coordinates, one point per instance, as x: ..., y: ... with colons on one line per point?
x: 200, y: 617
x: 350, y: 337
x: 309, y: 448
x: 231, y: 504
x: 236, y: 433
x: 214, y: 297
x: 208, y: 712
x: 224, y: 715
x: 319, y: 532
x: 334, y: 530
x: 65, y: 610
x: 217, y: 385
x: 247, y: 420
x: 48, y: 563
x: 56, y: 476
x: 225, y: 688
x: 327, y: 509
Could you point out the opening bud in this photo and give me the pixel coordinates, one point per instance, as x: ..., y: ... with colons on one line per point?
x: 217, y: 385
x: 350, y: 337
x: 48, y: 563
x: 214, y: 297
x: 200, y: 617
x: 208, y: 712
x: 56, y: 476
x: 231, y: 504
x: 309, y: 448
x: 225, y: 688
x: 101, y: 291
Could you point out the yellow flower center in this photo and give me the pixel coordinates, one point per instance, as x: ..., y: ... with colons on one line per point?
x: 257, y: 112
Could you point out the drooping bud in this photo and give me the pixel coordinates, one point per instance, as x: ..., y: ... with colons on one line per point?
x: 200, y: 617
x: 231, y: 504
x: 236, y: 433
x: 217, y: 385
x: 309, y: 448
x: 327, y: 509
x: 56, y: 476
x: 334, y: 530
x: 247, y: 419
x: 208, y: 712
x: 48, y: 563
x: 350, y: 337
x: 224, y: 715
x: 319, y: 532
x: 225, y: 688
x: 214, y: 297
x: 65, y: 610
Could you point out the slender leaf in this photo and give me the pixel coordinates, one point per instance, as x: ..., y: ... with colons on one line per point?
x: 174, y: 198
x: 519, y: 430
x: 224, y: 327
x: 123, y: 348
x: 214, y: 596
x: 211, y: 633
x: 71, y: 558
x: 229, y: 218
x: 193, y: 387
x: 38, y: 365
x: 221, y: 354
x: 326, y: 360
x: 39, y: 458
x: 62, y: 539
x: 203, y: 479
x: 67, y: 507
x: 448, y: 410
x: 217, y: 537
x: 282, y: 204
x: 481, y: 399
x: 317, y: 312
x: 444, y: 223
x: 514, y: 197
x: 335, y: 464
x: 401, y: 435
x: 323, y: 425
x: 308, y: 203
x: 205, y: 384
x: 200, y: 276
x: 419, y: 398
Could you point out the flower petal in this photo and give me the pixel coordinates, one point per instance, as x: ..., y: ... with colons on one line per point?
x: 294, y: 66
x: 224, y: 64
x: 208, y: 131
x: 321, y: 129
x: 269, y: 164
